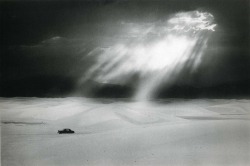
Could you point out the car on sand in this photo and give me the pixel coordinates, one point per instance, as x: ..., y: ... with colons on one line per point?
x: 65, y: 131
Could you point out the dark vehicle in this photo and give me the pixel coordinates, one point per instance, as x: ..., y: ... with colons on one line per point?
x: 65, y: 131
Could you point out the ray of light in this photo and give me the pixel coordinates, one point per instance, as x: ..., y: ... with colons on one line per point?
x: 156, y: 52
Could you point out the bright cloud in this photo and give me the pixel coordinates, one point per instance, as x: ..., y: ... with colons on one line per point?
x: 154, y: 51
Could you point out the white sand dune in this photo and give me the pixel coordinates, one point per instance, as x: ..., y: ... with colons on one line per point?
x: 112, y: 132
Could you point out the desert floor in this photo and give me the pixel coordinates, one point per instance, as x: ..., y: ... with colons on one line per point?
x: 122, y: 132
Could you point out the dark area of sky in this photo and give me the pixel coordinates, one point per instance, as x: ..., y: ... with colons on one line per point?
x: 44, y: 46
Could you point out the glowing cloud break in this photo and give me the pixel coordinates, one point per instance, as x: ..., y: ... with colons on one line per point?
x: 157, y: 52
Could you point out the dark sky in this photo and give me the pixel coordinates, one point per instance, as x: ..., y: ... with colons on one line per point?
x: 46, y: 42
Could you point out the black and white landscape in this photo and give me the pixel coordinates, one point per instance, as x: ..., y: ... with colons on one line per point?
x: 139, y: 82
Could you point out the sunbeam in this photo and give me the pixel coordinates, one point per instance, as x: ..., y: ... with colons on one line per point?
x: 156, y: 52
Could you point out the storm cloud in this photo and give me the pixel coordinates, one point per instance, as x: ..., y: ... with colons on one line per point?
x: 52, y: 41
